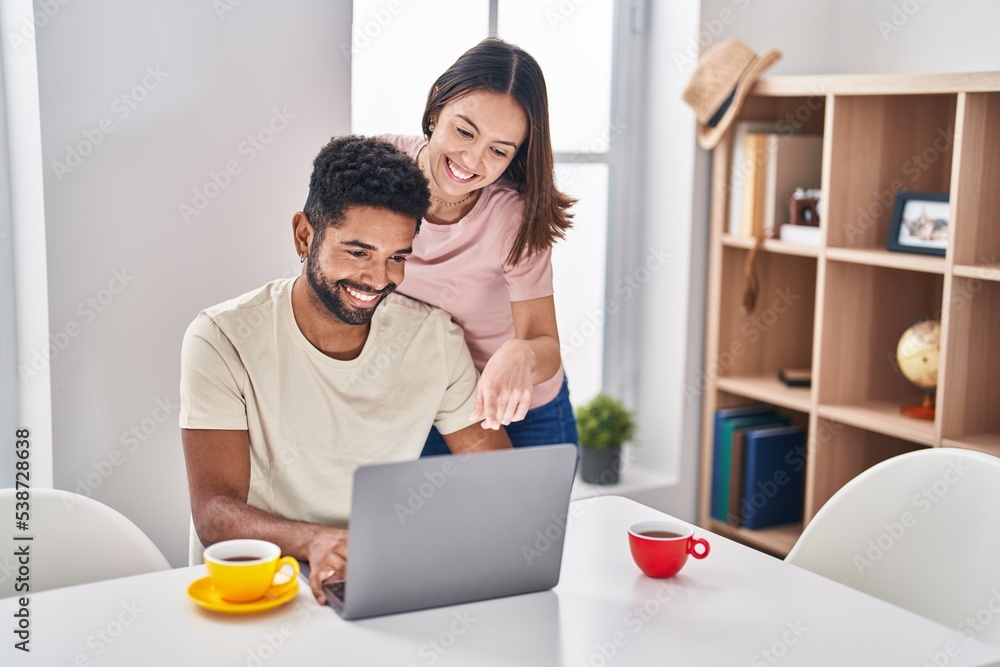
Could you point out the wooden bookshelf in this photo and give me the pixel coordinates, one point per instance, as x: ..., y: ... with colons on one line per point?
x: 847, y: 301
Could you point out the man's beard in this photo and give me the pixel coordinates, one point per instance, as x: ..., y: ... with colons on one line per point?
x: 330, y: 294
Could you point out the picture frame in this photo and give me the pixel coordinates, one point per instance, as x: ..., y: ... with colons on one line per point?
x: 920, y: 223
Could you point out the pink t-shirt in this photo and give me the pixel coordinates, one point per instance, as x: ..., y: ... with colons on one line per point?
x: 461, y: 268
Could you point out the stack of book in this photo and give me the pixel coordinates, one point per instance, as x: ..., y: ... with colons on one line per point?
x: 758, y: 468
x: 767, y: 167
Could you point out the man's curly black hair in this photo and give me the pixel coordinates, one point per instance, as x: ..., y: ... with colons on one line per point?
x: 363, y: 171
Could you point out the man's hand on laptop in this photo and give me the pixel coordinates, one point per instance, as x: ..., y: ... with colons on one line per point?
x: 327, y: 558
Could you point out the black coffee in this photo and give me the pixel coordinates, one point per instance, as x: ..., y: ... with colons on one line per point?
x: 660, y: 534
x: 240, y: 559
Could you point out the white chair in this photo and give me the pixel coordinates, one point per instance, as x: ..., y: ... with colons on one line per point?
x: 920, y: 530
x: 76, y: 540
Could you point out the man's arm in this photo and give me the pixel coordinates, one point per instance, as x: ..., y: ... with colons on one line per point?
x: 218, y: 469
x: 475, y: 438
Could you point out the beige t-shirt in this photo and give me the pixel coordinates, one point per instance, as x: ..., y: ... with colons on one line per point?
x: 245, y: 365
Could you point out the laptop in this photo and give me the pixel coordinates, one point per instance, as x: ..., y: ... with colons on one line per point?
x: 445, y: 530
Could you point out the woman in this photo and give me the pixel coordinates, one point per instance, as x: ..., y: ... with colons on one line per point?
x: 484, y: 252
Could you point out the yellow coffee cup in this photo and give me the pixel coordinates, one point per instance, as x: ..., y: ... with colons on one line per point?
x: 245, y: 570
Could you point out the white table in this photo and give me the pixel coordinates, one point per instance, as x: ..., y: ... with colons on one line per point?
x: 737, y: 607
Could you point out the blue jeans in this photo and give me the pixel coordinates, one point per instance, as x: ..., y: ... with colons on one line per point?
x: 549, y: 424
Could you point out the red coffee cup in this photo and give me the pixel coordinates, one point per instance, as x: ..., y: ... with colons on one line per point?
x: 661, y: 548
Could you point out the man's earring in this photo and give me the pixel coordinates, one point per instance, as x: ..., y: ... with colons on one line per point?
x: 302, y: 258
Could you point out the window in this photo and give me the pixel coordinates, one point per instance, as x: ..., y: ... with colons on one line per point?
x: 8, y: 341
x: 576, y: 45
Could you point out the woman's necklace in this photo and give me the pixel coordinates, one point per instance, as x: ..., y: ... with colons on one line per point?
x: 453, y: 203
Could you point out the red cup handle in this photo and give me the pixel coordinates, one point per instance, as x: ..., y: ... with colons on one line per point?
x: 693, y: 545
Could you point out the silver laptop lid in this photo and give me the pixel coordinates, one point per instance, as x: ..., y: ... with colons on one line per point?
x: 451, y: 529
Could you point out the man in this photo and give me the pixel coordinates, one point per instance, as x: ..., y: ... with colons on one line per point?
x: 287, y: 389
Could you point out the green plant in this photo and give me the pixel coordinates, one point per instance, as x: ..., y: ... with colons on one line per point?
x: 604, y: 423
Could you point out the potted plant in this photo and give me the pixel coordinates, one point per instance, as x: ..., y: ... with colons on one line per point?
x: 604, y: 425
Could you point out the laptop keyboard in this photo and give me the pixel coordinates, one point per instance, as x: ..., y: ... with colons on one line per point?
x: 337, y: 588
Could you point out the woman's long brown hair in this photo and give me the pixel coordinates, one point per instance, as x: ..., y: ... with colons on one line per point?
x: 497, y: 66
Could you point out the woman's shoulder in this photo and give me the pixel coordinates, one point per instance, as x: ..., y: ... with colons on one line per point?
x: 504, y: 193
x: 408, y: 144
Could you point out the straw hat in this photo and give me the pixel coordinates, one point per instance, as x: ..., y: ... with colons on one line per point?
x: 725, y: 74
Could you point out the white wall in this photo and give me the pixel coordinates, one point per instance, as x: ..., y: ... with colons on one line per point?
x: 127, y: 272
x: 835, y: 36
x: 862, y: 36
x: 917, y: 36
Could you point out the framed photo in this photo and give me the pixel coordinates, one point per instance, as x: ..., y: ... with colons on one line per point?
x: 920, y: 223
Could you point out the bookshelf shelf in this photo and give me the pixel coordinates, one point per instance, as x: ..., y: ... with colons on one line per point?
x: 771, y: 245
x: 769, y: 389
x: 981, y: 272
x: 881, y: 417
x: 982, y: 442
x: 777, y: 541
x: 884, y: 258
x: 849, y: 300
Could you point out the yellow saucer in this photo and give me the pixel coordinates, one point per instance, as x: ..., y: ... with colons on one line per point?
x: 204, y: 595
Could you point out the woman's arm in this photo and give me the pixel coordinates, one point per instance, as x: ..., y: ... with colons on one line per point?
x: 532, y: 356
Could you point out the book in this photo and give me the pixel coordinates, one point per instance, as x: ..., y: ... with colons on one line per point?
x: 755, y: 163
x: 796, y: 377
x: 737, y: 473
x: 800, y: 235
x: 773, y: 478
x: 721, y: 415
x: 720, y: 493
x: 736, y: 466
x: 738, y: 169
x: 793, y: 161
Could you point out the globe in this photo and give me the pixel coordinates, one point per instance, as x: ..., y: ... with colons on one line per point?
x: 917, y: 353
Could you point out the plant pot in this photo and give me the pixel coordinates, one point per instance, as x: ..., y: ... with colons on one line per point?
x: 599, y: 466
